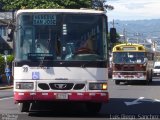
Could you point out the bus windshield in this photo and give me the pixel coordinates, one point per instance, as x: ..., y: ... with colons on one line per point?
x: 58, y: 36
x: 128, y: 57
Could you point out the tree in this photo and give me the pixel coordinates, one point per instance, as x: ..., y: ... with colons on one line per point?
x: 101, y: 5
x: 10, y: 58
x: 30, y: 4
x: 12, y: 5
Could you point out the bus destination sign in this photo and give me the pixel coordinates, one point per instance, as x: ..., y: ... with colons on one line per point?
x: 129, y: 48
x: 44, y: 19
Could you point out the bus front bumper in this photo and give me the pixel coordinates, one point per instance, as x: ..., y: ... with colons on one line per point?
x: 59, y: 96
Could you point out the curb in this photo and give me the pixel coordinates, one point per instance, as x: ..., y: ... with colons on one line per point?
x: 7, y: 87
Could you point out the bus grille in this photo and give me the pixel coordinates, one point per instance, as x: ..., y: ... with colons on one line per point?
x: 61, y: 86
x: 128, y: 68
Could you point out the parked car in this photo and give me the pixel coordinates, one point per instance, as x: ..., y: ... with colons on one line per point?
x: 156, y: 69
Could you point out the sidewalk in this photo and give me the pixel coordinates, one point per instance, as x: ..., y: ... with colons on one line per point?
x: 5, y: 86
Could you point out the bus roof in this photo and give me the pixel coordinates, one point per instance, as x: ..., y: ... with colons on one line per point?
x: 129, y: 47
x: 61, y: 10
x: 128, y: 44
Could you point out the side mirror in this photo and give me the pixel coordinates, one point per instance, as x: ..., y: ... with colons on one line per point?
x: 113, y: 35
x: 10, y: 32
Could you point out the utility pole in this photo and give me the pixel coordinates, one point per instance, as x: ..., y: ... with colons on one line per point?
x: 124, y: 33
x: 113, y: 23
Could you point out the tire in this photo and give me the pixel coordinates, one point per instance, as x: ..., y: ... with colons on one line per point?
x: 23, y: 107
x: 147, y: 82
x: 93, y: 108
x: 117, y: 82
x: 150, y: 79
x: 129, y: 82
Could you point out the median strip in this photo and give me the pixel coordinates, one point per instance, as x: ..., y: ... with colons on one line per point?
x: 6, y: 87
x: 6, y: 98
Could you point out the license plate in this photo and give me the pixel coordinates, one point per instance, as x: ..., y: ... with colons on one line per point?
x: 62, y: 96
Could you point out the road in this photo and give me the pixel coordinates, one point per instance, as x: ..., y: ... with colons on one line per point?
x: 126, y: 101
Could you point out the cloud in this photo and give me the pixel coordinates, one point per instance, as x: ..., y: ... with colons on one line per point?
x: 135, y: 6
x: 132, y: 4
x: 134, y: 9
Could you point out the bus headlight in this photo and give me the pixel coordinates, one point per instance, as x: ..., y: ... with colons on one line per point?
x: 24, y: 85
x: 98, y: 86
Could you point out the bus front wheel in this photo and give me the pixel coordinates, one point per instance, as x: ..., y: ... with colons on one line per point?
x: 23, y: 107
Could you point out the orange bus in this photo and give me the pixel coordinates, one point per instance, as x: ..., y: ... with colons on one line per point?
x: 132, y: 62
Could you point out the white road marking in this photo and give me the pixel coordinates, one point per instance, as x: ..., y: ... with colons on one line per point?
x: 5, y: 98
x: 134, y: 102
x: 140, y: 100
x: 156, y: 100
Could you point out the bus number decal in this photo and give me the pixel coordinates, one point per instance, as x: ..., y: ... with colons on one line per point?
x: 25, y: 69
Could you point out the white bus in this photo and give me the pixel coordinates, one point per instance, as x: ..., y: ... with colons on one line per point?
x: 60, y: 55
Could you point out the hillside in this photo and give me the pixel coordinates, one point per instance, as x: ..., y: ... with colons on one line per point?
x: 143, y: 29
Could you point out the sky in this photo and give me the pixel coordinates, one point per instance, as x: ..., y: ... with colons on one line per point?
x: 134, y: 9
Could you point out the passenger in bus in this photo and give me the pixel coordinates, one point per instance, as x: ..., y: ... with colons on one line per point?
x: 140, y: 59
x: 133, y: 58
x: 38, y: 49
x: 124, y: 58
x: 58, y: 46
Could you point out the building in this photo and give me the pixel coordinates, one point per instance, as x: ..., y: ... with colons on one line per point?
x: 5, y: 45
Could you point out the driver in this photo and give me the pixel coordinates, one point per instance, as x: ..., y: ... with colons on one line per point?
x: 87, y: 47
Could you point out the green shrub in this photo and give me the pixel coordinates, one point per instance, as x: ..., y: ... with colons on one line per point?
x: 10, y: 58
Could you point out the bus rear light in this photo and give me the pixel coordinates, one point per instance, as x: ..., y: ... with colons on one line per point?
x: 98, y: 86
x: 24, y: 85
